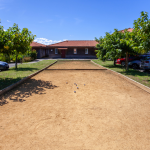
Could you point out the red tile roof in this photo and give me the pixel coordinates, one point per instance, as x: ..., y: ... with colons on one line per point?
x: 63, y: 48
x: 129, y: 30
x: 85, y: 43
x: 35, y: 44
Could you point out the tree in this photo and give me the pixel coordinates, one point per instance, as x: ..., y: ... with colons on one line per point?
x: 21, y: 40
x: 108, y: 46
x: 101, y: 52
x: 2, y: 32
x: 115, y: 44
x: 142, y: 33
x: 5, y: 42
x: 126, y: 45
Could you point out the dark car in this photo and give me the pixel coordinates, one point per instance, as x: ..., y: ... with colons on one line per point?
x: 137, y: 61
x: 4, y: 65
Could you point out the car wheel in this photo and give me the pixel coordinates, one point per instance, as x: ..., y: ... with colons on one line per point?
x: 122, y: 63
x: 135, y: 66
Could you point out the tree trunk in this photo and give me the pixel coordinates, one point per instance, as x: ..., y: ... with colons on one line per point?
x: 16, y: 62
x: 127, y: 68
x: 115, y: 62
x: 9, y: 57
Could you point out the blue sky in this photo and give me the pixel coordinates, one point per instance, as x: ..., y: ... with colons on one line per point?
x: 58, y: 20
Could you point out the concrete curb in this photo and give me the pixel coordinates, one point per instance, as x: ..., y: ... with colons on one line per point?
x: 137, y: 84
x: 22, y: 80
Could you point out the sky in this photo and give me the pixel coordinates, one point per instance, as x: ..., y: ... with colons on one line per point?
x: 53, y: 21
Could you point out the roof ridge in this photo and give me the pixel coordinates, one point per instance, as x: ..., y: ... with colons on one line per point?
x: 56, y: 43
x: 80, y: 40
x: 69, y: 40
x: 40, y: 43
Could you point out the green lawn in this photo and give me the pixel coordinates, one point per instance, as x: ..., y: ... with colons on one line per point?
x: 11, y: 76
x: 141, y: 77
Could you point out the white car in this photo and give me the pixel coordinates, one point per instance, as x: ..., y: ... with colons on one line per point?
x: 145, y: 64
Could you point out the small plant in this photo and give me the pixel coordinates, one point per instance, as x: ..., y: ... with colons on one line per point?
x: 19, y: 58
x: 33, y: 54
x: 27, y: 59
x: 4, y: 57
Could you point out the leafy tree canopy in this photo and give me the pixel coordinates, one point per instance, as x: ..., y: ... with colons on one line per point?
x: 142, y: 33
x: 15, y: 41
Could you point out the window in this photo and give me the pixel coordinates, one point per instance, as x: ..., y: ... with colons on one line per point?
x: 56, y: 51
x: 86, y: 50
x: 75, y: 51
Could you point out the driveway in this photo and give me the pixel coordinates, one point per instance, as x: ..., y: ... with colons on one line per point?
x: 34, y: 61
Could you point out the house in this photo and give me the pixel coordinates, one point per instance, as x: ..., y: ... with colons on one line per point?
x: 67, y: 49
x: 73, y: 49
x: 42, y: 50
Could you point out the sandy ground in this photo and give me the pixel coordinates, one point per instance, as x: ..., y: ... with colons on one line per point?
x: 44, y: 113
x: 68, y: 64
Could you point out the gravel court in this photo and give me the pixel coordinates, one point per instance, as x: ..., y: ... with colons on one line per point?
x: 106, y: 113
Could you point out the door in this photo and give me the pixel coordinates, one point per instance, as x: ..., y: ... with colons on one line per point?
x: 63, y: 53
x: 38, y: 53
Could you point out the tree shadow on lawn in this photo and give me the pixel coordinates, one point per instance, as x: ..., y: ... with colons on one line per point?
x: 129, y: 72
x: 24, y: 69
x: 5, y: 82
x: 27, y: 89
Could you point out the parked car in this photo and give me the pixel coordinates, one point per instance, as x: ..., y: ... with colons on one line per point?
x: 137, y: 61
x: 4, y: 65
x: 145, y: 64
x: 121, y: 61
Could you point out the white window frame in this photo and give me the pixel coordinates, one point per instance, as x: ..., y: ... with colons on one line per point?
x: 86, y: 52
x: 56, y: 50
x: 74, y: 51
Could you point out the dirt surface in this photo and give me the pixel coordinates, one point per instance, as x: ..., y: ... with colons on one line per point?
x: 44, y: 113
x: 68, y: 64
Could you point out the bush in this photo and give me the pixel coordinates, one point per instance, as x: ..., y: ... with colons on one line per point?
x: 33, y: 54
x: 4, y: 58
x: 27, y: 59
x: 19, y: 58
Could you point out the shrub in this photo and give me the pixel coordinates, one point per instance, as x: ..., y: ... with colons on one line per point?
x: 33, y: 54
x: 27, y: 59
x: 19, y: 58
x: 5, y: 58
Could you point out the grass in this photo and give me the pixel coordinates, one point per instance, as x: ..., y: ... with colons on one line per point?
x: 12, y: 75
x: 141, y: 77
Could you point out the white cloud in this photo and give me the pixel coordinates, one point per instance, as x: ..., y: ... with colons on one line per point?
x: 8, y: 21
x: 65, y: 39
x: 45, y: 41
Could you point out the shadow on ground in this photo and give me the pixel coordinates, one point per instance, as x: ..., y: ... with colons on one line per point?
x: 129, y: 72
x: 25, y: 90
x: 5, y: 82
x: 24, y: 69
